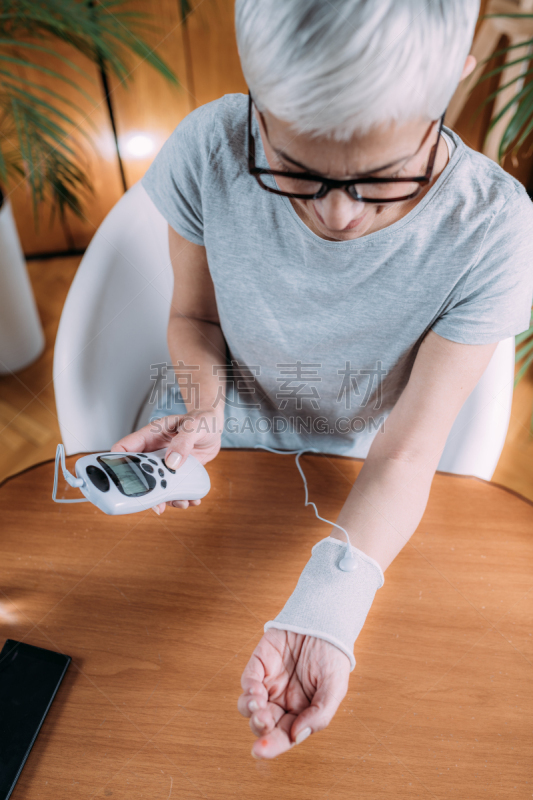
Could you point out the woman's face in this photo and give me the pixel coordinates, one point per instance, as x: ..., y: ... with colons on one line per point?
x: 389, y: 151
x: 336, y: 216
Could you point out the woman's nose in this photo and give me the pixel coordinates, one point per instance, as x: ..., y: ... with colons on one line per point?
x: 337, y: 209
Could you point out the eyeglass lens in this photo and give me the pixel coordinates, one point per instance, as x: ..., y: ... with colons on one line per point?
x: 372, y: 191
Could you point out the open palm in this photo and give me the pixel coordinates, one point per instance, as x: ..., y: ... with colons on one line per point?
x: 298, y: 682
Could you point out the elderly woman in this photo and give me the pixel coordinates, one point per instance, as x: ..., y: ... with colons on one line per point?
x: 344, y: 267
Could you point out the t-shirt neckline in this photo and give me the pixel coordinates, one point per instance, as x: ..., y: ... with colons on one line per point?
x: 390, y: 230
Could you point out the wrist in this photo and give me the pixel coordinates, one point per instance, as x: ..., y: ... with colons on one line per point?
x: 341, y: 540
x: 329, y: 603
x: 339, y: 537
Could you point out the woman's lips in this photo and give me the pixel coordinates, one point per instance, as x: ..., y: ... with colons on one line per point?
x: 353, y: 224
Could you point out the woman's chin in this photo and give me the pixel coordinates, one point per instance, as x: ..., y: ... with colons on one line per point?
x: 350, y: 233
x: 354, y: 228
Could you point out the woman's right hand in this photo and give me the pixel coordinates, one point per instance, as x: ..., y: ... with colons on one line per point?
x: 197, y: 433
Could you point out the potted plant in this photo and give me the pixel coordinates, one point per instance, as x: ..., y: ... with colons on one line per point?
x: 36, y: 122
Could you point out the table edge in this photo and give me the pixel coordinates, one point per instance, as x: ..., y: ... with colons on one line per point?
x: 329, y: 455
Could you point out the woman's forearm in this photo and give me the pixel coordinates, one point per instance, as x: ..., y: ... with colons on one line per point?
x: 201, y: 348
x: 385, y: 506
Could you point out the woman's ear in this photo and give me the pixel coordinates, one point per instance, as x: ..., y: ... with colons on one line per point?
x: 470, y: 65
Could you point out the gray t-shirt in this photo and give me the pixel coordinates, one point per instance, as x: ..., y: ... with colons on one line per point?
x: 322, y: 335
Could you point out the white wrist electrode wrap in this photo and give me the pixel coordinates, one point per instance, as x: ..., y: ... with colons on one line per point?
x: 328, y: 602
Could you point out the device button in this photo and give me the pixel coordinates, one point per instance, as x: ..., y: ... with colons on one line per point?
x: 164, y: 484
x: 147, y: 467
x: 173, y: 471
x: 151, y: 460
x: 162, y: 474
x: 98, y: 478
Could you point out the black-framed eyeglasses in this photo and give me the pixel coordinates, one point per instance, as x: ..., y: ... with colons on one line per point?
x: 306, y: 186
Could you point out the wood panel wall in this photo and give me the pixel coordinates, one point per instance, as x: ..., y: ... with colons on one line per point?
x: 101, y: 164
x: 203, y: 53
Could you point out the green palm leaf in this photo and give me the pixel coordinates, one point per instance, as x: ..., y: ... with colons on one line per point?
x: 521, y: 118
x: 502, y: 67
x: 25, y: 63
x: 522, y: 371
x: 515, y: 134
x: 522, y: 99
x: 515, y: 99
x: 524, y: 352
x: 38, y: 122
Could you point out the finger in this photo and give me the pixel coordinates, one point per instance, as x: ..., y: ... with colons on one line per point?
x: 258, y: 701
x: 258, y: 693
x: 159, y: 508
x: 329, y: 694
x: 264, y: 721
x: 182, y: 444
x: 263, y: 714
x: 190, y: 502
x: 178, y: 503
x: 252, y: 681
x: 277, y: 741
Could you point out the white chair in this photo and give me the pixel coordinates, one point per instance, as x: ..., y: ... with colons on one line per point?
x: 113, y: 326
x: 113, y: 330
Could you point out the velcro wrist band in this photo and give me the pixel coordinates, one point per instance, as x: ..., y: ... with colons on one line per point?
x: 329, y: 603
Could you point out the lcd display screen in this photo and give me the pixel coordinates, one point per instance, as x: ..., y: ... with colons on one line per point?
x: 131, y: 478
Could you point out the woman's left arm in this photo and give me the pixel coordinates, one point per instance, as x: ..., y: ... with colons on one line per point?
x: 298, y: 674
x: 391, y: 492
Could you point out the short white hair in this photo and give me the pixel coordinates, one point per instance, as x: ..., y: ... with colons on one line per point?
x: 338, y: 67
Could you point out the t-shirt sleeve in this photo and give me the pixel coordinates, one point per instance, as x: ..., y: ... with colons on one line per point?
x: 497, y: 292
x: 174, y: 179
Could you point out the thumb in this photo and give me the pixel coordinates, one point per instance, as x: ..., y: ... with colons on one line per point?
x: 324, y: 705
x: 182, y: 444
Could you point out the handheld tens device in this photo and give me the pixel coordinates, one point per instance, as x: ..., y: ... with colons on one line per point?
x: 29, y: 680
x: 123, y: 483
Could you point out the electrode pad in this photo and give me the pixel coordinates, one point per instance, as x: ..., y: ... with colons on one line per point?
x: 329, y: 603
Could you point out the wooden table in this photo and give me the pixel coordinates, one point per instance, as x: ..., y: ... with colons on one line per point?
x: 161, y: 615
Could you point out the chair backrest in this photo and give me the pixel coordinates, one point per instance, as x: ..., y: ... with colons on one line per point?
x: 113, y: 325
x: 476, y: 440
x: 112, y: 333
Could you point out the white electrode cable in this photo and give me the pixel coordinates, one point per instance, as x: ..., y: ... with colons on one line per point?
x: 70, y: 479
x: 348, y: 563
